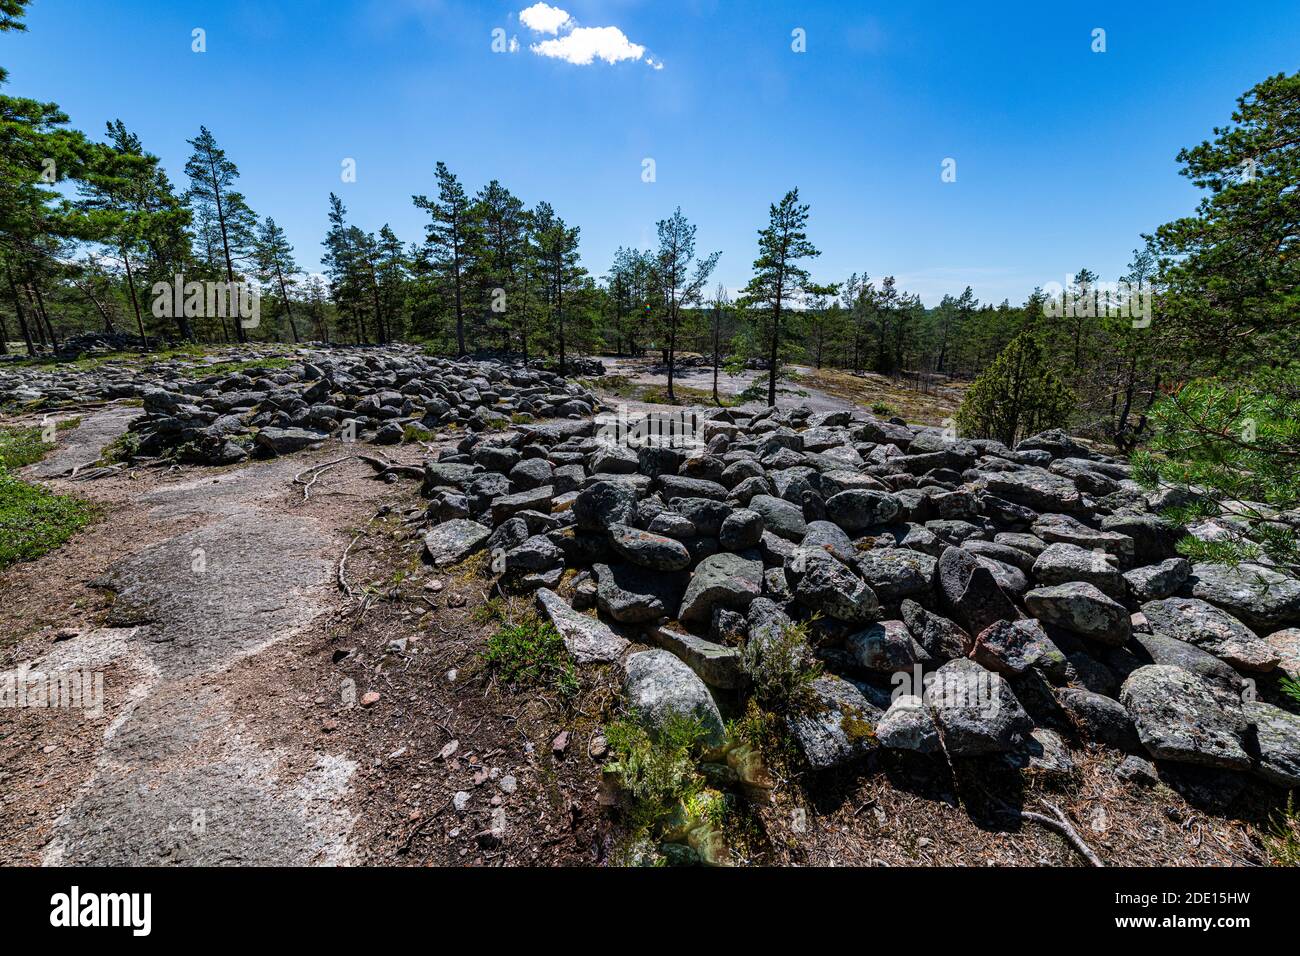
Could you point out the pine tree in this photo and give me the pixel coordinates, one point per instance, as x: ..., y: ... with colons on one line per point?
x: 1014, y: 397
x: 215, y: 200
x: 778, y: 279
x: 682, y: 278
x: 1231, y: 447
x: 451, y: 235
x: 276, y: 265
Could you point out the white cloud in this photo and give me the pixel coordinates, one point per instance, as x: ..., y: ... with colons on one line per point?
x: 585, y: 44
x: 580, y: 46
x: 543, y: 18
x: 514, y: 44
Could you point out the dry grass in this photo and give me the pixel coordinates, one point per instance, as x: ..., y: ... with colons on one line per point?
x: 870, y: 390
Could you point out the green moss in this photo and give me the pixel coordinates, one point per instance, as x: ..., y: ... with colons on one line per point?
x: 34, y: 521
x: 855, y: 725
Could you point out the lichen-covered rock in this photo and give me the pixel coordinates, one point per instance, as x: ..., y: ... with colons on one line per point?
x: 1157, y: 581
x: 649, y: 550
x: 1082, y: 609
x: 838, y: 727
x: 1178, y: 719
x: 976, y: 711
x: 908, y: 725
x: 726, y: 579
x: 657, y: 684
x: 827, y: 586
x: 453, y: 541
x: 604, y: 503
x: 586, y: 638
x: 1211, y: 629
x: 1012, y: 647
x: 887, y: 647
x: 1263, y: 597
x: 1277, y: 734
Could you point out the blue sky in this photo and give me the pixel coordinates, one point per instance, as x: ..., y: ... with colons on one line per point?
x: 1063, y: 156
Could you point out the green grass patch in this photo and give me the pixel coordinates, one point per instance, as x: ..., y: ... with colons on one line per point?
x: 531, y: 653
x: 25, y: 445
x: 416, y: 433
x: 34, y: 521
x: 1283, y: 839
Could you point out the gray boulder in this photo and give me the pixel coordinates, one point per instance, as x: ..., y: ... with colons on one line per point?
x: 649, y: 550
x: 908, y: 725
x: 1262, y: 597
x: 1082, y: 609
x: 453, y: 541
x: 780, y: 517
x: 657, y: 685
x: 1155, y: 582
x: 1178, y: 719
x: 586, y: 638
x: 1062, y: 563
x: 827, y: 586
x: 726, y: 579
x: 975, y: 710
x: 838, y: 728
x: 857, y: 510
x: 1277, y: 733
x: 604, y: 503
x: 1212, y: 630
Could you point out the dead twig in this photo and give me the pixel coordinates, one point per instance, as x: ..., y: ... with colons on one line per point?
x: 1059, y: 823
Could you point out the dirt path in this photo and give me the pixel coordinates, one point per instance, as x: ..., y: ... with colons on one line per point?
x: 199, y: 574
x: 701, y: 377
x: 251, y: 713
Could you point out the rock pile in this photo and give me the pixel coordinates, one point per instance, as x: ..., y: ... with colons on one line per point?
x: 962, y: 595
x: 371, y: 394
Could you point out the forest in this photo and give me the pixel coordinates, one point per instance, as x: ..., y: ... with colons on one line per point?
x: 91, y: 226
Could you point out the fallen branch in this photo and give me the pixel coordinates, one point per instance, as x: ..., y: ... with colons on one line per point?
x: 343, y: 559
x: 381, y: 466
x: 1059, y: 823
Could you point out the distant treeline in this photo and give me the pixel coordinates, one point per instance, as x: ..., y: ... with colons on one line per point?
x: 1217, y: 291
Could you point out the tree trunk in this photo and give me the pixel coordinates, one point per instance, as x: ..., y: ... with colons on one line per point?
x: 672, y: 357
x: 717, y: 321
x: 559, y: 313
x: 225, y: 246
x: 288, y: 306
x: 45, y: 316
x: 135, y: 302
x: 22, y: 317
x: 776, y: 338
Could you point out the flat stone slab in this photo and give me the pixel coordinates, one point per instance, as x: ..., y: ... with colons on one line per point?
x: 587, y: 639
x: 212, y: 595
x: 82, y: 446
x: 454, y: 541
x: 1178, y: 719
x: 1211, y: 629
